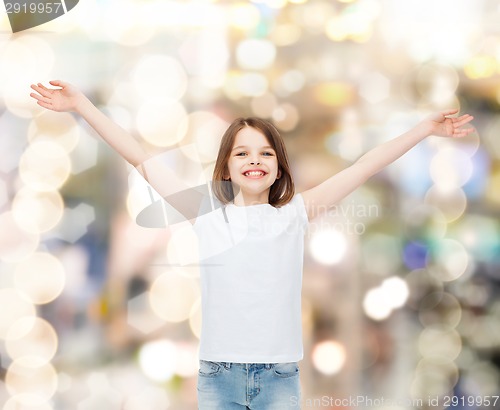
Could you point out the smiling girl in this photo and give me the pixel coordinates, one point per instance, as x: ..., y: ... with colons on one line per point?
x: 251, y: 248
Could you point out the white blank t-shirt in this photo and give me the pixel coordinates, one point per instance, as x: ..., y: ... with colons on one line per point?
x: 251, y: 278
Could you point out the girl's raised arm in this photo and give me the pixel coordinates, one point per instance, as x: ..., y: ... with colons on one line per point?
x: 163, y: 179
x: 69, y: 98
x: 337, y: 187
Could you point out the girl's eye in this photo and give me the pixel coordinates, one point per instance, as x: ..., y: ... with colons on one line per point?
x: 267, y: 154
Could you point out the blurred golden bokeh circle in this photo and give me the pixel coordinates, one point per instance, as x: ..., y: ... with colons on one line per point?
x: 36, y: 211
x: 31, y: 376
x: 16, y: 243
x: 44, y: 166
x: 40, y: 278
x: 18, y: 308
x: 172, y: 296
x: 27, y: 401
x: 58, y: 127
x: 32, y: 337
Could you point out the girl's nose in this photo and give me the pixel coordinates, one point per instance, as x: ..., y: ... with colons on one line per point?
x: 254, y: 162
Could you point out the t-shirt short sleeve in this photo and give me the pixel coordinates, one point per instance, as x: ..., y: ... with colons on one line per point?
x: 300, y: 207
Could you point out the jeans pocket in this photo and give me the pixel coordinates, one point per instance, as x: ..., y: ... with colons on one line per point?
x: 210, y: 369
x: 286, y: 369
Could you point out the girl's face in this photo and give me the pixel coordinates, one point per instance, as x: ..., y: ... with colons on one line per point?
x: 252, y: 166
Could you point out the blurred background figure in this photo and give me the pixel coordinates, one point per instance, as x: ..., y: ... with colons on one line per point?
x: 400, y: 280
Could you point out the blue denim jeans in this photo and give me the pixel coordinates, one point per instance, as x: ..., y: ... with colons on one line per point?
x: 255, y: 386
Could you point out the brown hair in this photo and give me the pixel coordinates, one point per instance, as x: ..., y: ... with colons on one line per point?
x: 282, y: 190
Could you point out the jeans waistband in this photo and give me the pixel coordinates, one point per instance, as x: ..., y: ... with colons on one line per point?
x: 228, y: 365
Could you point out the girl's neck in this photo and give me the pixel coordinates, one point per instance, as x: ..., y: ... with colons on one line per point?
x: 248, y: 200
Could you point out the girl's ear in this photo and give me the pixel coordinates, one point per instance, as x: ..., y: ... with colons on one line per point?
x: 279, y: 174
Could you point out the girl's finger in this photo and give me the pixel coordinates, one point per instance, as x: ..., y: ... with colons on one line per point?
x: 462, y: 120
x: 463, y: 132
x: 40, y: 98
x: 58, y: 83
x: 462, y: 117
x: 41, y: 90
x: 42, y: 86
x: 449, y: 112
x: 45, y: 105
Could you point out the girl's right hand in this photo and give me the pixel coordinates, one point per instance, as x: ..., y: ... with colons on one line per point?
x: 65, y: 98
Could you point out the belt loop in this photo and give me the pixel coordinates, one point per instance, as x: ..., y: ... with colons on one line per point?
x: 268, y: 366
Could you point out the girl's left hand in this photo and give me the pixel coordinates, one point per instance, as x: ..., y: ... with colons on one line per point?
x: 441, y: 125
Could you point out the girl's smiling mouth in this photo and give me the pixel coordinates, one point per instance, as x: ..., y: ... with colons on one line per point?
x: 254, y: 173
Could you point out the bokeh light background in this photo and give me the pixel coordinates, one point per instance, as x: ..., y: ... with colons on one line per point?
x: 401, y: 280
